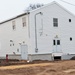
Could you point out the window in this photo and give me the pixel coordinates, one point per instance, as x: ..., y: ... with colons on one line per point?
x: 24, y: 21
x: 69, y: 20
x: 13, y: 44
x: 70, y: 38
x: 58, y: 42
x: 10, y: 45
x: 53, y: 42
x: 13, y: 25
x: 55, y: 22
x: 17, y: 50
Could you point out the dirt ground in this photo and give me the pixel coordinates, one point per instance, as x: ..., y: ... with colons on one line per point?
x: 47, y: 68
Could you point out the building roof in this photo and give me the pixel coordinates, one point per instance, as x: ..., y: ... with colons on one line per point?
x: 15, y: 17
x: 65, y: 6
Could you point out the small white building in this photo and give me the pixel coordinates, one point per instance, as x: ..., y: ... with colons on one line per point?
x: 46, y: 33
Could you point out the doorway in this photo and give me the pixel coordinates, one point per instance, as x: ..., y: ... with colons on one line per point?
x: 57, y: 57
x: 56, y: 45
x: 24, y: 52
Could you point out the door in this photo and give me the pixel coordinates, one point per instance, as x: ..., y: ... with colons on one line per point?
x: 56, y: 46
x: 24, y: 52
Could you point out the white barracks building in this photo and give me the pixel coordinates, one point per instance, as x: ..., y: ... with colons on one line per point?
x: 46, y: 33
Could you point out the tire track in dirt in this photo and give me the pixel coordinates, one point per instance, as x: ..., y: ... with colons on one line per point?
x: 47, y: 70
x: 24, y: 66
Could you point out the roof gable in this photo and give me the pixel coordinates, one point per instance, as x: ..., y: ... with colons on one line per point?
x: 54, y: 2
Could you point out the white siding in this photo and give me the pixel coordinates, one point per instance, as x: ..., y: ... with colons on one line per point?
x: 65, y: 29
x: 44, y: 23
x: 18, y: 35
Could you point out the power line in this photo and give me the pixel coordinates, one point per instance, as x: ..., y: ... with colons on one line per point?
x: 67, y: 2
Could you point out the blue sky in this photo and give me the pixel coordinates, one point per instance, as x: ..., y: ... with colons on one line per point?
x: 11, y: 8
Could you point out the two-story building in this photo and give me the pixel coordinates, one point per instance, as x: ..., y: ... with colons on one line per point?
x: 46, y: 33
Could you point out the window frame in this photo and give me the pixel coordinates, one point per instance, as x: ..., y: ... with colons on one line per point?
x: 55, y: 22
x: 69, y: 20
x: 14, y: 25
x: 54, y: 42
x: 24, y: 22
x: 70, y: 38
x: 58, y: 42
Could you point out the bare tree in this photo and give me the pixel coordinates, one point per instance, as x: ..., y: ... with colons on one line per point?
x: 34, y: 6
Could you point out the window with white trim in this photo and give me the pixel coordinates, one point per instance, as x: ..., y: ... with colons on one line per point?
x: 70, y: 38
x: 24, y: 21
x: 55, y: 22
x: 13, y: 25
x: 69, y: 20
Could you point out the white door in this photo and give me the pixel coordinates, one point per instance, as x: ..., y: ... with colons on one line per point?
x: 24, y: 52
x: 56, y: 46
